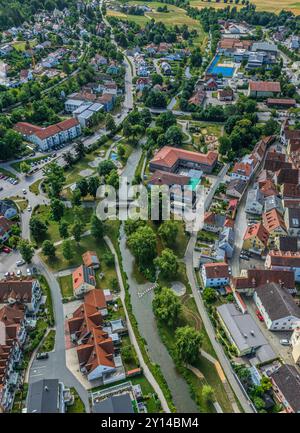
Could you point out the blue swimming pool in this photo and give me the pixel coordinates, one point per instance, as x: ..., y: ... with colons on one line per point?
x: 113, y: 156
x: 226, y: 71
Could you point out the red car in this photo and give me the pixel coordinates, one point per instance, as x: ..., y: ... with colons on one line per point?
x: 6, y: 250
x: 260, y: 317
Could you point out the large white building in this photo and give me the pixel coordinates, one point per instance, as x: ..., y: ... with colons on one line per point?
x: 47, y: 138
x: 277, y: 306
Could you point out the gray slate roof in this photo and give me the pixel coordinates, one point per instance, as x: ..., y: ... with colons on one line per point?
x: 277, y: 302
x: 115, y: 404
x: 43, y: 396
x: 287, y: 379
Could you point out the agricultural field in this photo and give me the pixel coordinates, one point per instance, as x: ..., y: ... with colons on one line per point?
x: 261, y: 5
x: 175, y: 16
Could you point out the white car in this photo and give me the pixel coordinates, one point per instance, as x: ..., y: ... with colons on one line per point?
x: 28, y: 272
x: 19, y: 273
x: 284, y: 342
x: 20, y: 263
x: 29, y: 208
x: 24, y: 191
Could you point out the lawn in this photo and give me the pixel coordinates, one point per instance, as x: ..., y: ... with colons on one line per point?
x: 108, y: 271
x: 21, y: 45
x: 43, y: 212
x: 261, y: 5
x: 49, y: 342
x: 77, y: 406
x: 175, y: 16
x: 66, y: 286
x: 34, y: 187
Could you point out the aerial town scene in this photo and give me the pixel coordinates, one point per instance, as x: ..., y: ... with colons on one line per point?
x: 149, y: 207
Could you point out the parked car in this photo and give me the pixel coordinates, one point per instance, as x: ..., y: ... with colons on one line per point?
x: 28, y: 272
x: 6, y: 250
x: 42, y: 355
x: 244, y: 257
x: 260, y: 317
x: 20, y: 262
x: 284, y: 342
x: 19, y: 272
x: 29, y: 208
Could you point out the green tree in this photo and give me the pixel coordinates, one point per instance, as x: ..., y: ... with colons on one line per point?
x: 168, y: 231
x: 77, y: 230
x: 37, y: 227
x: 142, y: 242
x: 97, y: 228
x: 48, y: 249
x: 93, y: 185
x: 166, y: 306
x: 25, y: 167
x: 121, y: 150
x: 209, y: 295
x: 83, y: 186
x: 208, y: 394
x: 167, y: 264
x: 110, y: 123
x: 63, y: 229
x: 113, y: 179
x: 105, y: 167
x: 174, y: 136
x: 76, y: 197
x: 57, y: 209
x: 26, y: 250
x: 67, y: 250
x: 187, y: 344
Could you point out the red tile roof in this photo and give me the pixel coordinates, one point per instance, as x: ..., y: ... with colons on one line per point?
x: 259, y: 231
x: 163, y: 178
x: 273, y: 220
x: 216, y: 270
x: 258, y: 277
x: 265, y: 86
x: 90, y: 258
x: 168, y: 156
x: 284, y: 258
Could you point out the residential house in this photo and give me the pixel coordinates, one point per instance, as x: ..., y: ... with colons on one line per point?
x: 236, y: 188
x: 90, y: 259
x: 225, y: 95
x: 267, y: 188
x: 97, y: 356
x: 254, y: 202
x: 252, y: 278
x: 25, y: 292
x: 275, y: 161
x: 256, y: 238
x: 290, y: 191
x: 215, y: 274
x: 164, y: 178
x: 273, y: 202
x: 286, y: 386
x: 287, y: 134
x: 47, y: 396
x: 277, y: 307
x: 285, y: 260
x: 263, y: 89
x: 198, y: 98
x: 115, y: 404
x: 213, y: 222
x: 292, y: 221
x: 12, y: 323
x: 287, y: 243
x: 226, y: 241
x: 274, y: 223
x: 242, y: 170
x: 295, y: 343
x: 284, y: 103
x: 84, y: 280
x: 244, y: 334
x: 287, y: 175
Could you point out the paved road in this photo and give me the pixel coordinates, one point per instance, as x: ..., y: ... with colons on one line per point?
x: 202, y: 310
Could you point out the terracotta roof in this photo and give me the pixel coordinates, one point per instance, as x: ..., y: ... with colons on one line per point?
x: 43, y: 133
x: 90, y: 258
x: 163, y: 178
x: 284, y: 258
x: 234, y: 43
x: 95, y: 298
x: 168, y: 156
x: 97, y: 351
x: 25, y: 128
x: 82, y: 275
x: 243, y: 168
x: 216, y: 270
x: 281, y: 101
x: 11, y: 317
x: 273, y: 220
x: 259, y: 277
x: 259, y: 231
x: 20, y: 290
x: 265, y: 86
x: 267, y: 188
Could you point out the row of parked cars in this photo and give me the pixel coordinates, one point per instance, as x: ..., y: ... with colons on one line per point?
x: 11, y: 180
